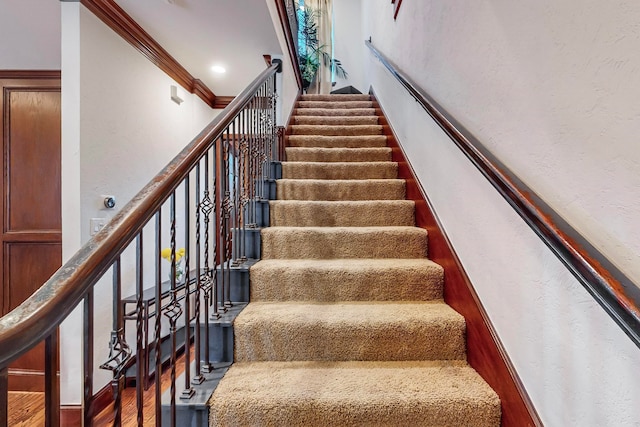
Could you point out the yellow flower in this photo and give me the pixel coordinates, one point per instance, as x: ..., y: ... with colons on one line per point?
x: 166, y: 254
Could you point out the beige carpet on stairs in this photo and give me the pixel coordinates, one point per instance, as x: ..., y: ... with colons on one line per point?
x: 346, y: 324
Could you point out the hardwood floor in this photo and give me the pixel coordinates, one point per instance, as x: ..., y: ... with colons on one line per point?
x: 129, y: 408
x: 26, y: 409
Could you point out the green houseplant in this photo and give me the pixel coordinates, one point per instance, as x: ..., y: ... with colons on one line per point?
x: 310, y: 51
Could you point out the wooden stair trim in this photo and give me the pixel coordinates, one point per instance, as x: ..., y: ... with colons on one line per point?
x: 126, y: 27
x: 485, y: 352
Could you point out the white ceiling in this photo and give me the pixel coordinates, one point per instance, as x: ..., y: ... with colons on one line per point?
x: 203, y: 33
x: 197, y: 33
x: 29, y: 35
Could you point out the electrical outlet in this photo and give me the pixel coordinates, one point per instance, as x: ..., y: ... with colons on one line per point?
x: 96, y: 224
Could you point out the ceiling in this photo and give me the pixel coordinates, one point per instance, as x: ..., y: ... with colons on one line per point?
x: 197, y: 33
x: 28, y: 40
x: 201, y: 33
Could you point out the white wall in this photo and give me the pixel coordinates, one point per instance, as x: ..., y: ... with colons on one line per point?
x: 286, y: 81
x: 29, y: 35
x: 129, y: 129
x: 347, y: 33
x: 549, y: 88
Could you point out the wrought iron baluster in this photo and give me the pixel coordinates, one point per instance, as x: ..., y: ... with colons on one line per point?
x: 52, y: 388
x: 173, y: 310
x: 206, y: 206
x: 242, y: 156
x: 4, y: 396
x: 87, y: 358
x: 142, y: 370
x: 217, y: 177
x: 275, y: 148
x: 198, y: 377
x: 158, y: 324
x: 235, y: 236
x: 255, y: 157
x: 188, y: 391
x: 227, y: 206
x: 119, y: 351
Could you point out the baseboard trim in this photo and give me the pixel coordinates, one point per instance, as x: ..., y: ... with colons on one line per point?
x: 26, y: 380
x: 485, y: 351
x: 71, y: 415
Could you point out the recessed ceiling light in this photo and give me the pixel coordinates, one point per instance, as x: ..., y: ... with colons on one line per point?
x: 218, y: 69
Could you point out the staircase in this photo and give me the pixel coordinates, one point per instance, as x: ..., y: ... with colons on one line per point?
x: 346, y: 324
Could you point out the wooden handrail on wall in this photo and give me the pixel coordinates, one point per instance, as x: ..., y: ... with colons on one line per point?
x: 609, y: 286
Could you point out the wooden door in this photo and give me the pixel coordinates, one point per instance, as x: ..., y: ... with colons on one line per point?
x: 31, y: 235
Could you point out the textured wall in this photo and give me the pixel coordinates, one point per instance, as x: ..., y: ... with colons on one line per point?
x: 128, y: 130
x: 549, y: 87
x: 347, y: 33
x: 286, y: 81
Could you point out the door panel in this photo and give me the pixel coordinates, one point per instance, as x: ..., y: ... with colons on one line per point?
x: 32, y: 153
x: 31, y: 208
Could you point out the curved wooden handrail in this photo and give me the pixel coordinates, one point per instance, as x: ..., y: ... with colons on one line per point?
x: 609, y: 286
x: 38, y: 316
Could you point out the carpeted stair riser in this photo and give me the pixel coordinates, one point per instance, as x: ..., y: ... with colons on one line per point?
x: 335, y: 130
x: 339, y: 170
x: 335, y: 120
x: 359, y: 280
x: 334, y: 112
x: 343, y: 242
x: 340, y: 105
x: 337, y: 97
x: 270, y: 331
x: 338, y: 394
x: 319, y: 189
x: 316, y: 154
x: 359, y: 141
x: 296, y: 213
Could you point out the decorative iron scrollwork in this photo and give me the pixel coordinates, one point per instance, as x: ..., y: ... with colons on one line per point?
x: 174, y: 309
x: 119, y: 353
x: 227, y: 205
x: 206, y: 206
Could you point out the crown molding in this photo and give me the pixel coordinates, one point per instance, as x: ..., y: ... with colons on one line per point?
x: 124, y: 25
x: 30, y: 74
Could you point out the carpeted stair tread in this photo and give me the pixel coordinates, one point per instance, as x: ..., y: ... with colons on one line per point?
x: 343, y: 242
x: 356, y: 141
x: 392, y: 279
x: 334, y: 104
x: 339, y: 170
x: 348, y: 189
x: 335, y: 97
x: 335, y: 120
x: 355, y: 330
x: 349, y: 394
x: 347, y: 325
x: 335, y: 130
x: 296, y: 213
x: 334, y: 112
x: 318, y: 154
